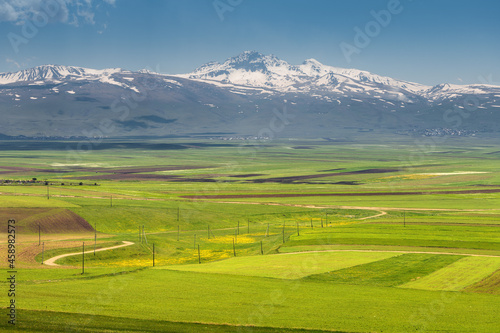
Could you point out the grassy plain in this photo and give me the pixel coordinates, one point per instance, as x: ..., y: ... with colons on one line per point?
x: 392, y: 238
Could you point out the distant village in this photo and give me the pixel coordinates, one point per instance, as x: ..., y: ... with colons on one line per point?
x: 439, y: 132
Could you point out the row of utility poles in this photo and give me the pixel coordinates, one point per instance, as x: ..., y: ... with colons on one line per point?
x: 143, y: 238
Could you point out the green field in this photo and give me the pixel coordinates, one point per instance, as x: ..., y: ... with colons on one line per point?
x: 458, y: 275
x: 274, y: 237
x: 287, y: 266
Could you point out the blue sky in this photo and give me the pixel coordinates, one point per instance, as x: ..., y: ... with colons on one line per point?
x: 422, y: 41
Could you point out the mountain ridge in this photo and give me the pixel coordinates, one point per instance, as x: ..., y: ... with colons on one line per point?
x: 237, y: 96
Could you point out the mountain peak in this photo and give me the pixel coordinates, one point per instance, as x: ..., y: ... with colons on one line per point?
x: 252, y: 60
x: 55, y: 72
x: 255, y: 69
x: 312, y: 61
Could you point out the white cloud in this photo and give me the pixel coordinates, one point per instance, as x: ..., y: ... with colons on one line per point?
x: 15, y: 63
x: 74, y: 12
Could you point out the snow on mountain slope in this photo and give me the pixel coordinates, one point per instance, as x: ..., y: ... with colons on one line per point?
x: 54, y: 72
x: 238, y: 94
x: 58, y: 74
x: 312, y: 67
x: 445, y: 90
x: 254, y: 73
x: 255, y: 69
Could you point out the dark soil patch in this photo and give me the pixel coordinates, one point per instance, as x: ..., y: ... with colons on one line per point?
x: 19, y: 214
x: 149, y: 177
x: 351, y: 194
x: 50, y: 220
x: 490, y: 285
x: 331, y: 183
x: 149, y: 169
x: 138, y: 173
x: 129, y: 176
x: 58, y: 221
x: 292, y: 179
x: 12, y: 145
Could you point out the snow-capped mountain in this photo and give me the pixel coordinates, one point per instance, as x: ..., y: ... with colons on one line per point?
x: 56, y: 73
x: 235, y: 96
x: 255, y: 69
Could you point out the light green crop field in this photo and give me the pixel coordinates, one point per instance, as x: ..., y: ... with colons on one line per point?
x: 240, y: 300
x: 286, y: 266
x: 458, y: 275
x: 278, y: 236
x: 29, y: 201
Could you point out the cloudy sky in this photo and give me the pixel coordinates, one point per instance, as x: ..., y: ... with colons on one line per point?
x: 423, y: 41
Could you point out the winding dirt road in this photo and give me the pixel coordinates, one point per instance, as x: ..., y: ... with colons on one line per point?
x: 52, y: 261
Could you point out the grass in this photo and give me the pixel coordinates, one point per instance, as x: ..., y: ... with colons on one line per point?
x: 458, y: 275
x: 287, y: 266
x: 340, y: 291
x: 51, y: 275
x: 384, y: 248
x: 30, y: 201
x: 440, y: 236
x: 241, y: 300
x: 490, y: 285
x: 62, y: 322
x: 390, y: 272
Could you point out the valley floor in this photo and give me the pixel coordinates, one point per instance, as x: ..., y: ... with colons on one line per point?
x: 333, y: 238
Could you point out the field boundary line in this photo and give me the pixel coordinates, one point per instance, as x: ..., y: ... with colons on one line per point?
x: 397, y: 251
x: 52, y: 261
x: 380, y: 209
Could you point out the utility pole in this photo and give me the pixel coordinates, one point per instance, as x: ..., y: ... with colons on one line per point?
x: 83, y: 258
x: 48, y: 192
x: 43, y: 249
x: 111, y: 201
x: 199, y: 256
x: 298, y: 231
x: 39, y: 234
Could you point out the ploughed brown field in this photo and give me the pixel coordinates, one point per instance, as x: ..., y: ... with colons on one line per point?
x: 50, y: 220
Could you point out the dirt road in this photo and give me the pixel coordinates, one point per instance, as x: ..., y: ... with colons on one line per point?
x: 52, y: 261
